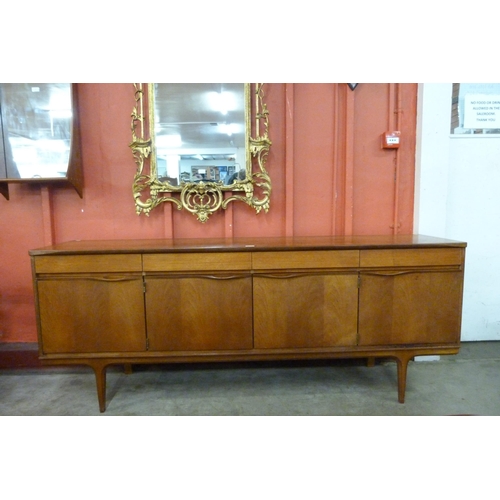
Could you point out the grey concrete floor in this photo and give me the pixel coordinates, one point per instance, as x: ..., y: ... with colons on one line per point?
x: 465, y: 384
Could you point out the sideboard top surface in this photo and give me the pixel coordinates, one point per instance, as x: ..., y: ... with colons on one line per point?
x: 244, y: 244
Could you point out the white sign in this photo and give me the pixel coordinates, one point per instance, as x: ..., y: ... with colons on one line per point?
x: 482, y: 111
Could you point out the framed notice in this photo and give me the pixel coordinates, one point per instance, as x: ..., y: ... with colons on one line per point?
x: 482, y: 111
x: 475, y: 108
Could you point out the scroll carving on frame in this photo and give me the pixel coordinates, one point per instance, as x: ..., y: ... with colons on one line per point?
x: 200, y: 147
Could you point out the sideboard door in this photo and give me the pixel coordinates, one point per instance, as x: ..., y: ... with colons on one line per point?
x: 413, y: 307
x: 91, y: 314
x: 199, y: 313
x: 305, y: 310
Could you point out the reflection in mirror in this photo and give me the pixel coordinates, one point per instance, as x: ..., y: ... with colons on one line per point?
x: 36, y: 119
x: 200, y: 132
x: 201, y: 153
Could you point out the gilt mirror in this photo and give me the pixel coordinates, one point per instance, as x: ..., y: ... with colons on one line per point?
x: 200, y: 146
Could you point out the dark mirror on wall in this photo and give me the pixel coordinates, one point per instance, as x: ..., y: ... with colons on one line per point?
x: 39, y: 139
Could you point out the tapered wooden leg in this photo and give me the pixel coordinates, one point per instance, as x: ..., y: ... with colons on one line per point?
x: 100, y: 377
x: 402, y: 371
x: 128, y: 368
x: 370, y: 362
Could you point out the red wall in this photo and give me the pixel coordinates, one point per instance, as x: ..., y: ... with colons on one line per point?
x: 329, y: 176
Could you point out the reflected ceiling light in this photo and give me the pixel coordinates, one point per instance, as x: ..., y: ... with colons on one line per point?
x: 222, y: 101
x: 58, y: 105
x: 52, y: 145
x: 60, y: 113
x: 229, y: 128
x: 169, y: 141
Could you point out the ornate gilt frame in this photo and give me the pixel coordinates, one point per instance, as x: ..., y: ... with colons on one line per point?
x: 202, y: 198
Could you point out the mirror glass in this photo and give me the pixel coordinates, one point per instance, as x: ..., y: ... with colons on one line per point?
x: 200, y: 132
x: 36, y: 123
x: 200, y: 146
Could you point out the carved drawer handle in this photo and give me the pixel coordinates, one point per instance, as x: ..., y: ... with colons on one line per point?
x: 409, y: 271
x: 298, y: 275
x: 114, y: 279
x: 281, y: 276
x: 389, y: 273
x: 219, y: 277
x: 200, y: 276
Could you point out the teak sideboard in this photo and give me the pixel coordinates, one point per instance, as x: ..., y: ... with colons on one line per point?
x: 128, y: 302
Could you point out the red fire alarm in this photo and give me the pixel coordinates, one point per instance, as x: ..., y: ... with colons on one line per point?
x: 391, y: 140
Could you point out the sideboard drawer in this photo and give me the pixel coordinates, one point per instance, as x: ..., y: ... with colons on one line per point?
x: 116, y: 263
x: 318, y: 259
x: 412, y: 257
x: 228, y: 261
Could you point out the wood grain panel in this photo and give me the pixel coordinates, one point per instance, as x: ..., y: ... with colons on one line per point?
x: 88, y: 263
x: 319, y: 259
x: 305, y: 311
x: 199, y: 314
x: 412, y: 308
x: 411, y: 257
x: 92, y: 315
x: 206, y: 261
